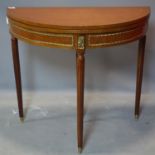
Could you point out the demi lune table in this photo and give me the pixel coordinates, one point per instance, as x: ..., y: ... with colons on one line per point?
x: 78, y: 28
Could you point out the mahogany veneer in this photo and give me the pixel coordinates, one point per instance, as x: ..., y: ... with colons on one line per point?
x: 78, y: 28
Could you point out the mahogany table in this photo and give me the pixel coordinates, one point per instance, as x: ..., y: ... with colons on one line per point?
x: 78, y: 28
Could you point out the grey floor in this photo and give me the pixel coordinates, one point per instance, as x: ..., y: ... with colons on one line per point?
x: 50, y: 124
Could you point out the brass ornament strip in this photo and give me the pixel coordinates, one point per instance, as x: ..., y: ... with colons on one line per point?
x: 115, y: 35
x: 44, y: 34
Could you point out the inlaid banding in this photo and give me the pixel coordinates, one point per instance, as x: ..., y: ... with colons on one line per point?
x: 64, y: 40
x: 95, y: 40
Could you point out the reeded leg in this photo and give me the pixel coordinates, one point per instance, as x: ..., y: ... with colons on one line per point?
x: 80, y: 62
x: 140, y: 62
x: 16, y: 63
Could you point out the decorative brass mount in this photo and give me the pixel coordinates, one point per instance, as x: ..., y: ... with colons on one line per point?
x: 81, y: 42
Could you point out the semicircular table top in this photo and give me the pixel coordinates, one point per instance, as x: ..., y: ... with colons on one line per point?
x: 58, y: 26
x: 78, y: 17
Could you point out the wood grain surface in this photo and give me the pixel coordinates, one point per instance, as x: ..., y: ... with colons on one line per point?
x: 78, y: 17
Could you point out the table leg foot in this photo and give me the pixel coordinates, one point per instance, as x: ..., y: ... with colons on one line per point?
x: 22, y: 119
x: 136, y: 117
x: 79, y: 150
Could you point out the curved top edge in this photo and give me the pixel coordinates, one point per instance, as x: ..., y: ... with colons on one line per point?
x: 78, y: 17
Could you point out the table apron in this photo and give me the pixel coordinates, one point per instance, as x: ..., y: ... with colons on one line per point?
x: 89, y: 40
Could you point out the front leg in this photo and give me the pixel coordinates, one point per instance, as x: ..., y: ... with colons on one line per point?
x: 80, y: 97
x: 80, y: 64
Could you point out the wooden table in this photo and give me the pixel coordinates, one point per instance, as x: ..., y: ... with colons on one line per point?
x: 78, y: 28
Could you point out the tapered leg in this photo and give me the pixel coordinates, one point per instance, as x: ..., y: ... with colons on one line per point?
x: 140, y: 62
x: 80, y: 62
x: 16, y: 63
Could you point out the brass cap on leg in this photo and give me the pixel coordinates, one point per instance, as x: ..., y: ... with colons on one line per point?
x: 136, y: 117
x: 22, y: 119
x: 79, y: 150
